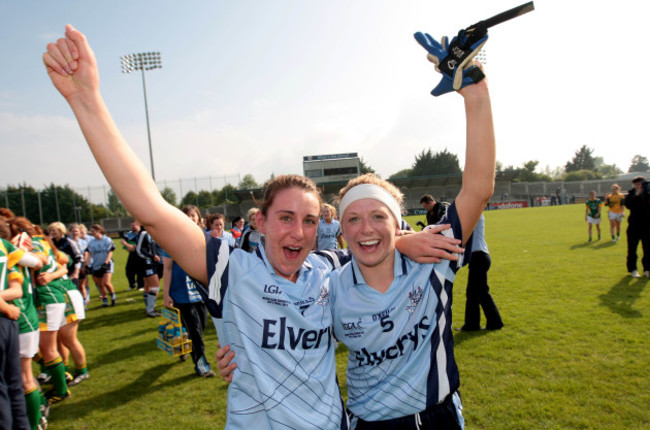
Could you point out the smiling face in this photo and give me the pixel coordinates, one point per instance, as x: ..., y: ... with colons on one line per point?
x: 369, y: 228
x: 55, y: 233
x: 289, y: 229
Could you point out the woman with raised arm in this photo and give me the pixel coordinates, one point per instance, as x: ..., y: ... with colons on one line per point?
x: 274, y: 313
x: 394, y: 314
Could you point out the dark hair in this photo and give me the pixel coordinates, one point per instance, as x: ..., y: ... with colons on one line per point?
x: 284, y: 182
x: 188, y: 209
x: 638, y: 179
x: 427, y: 198
x: 212, y: 217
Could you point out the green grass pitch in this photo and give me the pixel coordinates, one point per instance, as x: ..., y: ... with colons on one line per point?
x: 574, y: 352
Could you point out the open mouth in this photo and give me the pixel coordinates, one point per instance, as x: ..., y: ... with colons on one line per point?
x: 369, y: 245
x: 292, y: 252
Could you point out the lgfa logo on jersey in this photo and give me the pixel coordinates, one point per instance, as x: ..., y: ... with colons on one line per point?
x: 414, y: 296
x: 352, y: 325
x: 272, y: 289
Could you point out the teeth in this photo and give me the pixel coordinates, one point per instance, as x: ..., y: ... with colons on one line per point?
x: 293, y: 248
x: 369, y: 242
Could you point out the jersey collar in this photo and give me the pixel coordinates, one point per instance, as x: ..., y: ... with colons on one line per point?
x: 400, y: 268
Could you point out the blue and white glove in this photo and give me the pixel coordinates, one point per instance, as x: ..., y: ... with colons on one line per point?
x: 454, y: 60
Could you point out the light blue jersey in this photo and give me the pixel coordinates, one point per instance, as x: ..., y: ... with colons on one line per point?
x: 99, y: 249
x: 401, y: 358
x: 328, y: 234
x: 281, y: 333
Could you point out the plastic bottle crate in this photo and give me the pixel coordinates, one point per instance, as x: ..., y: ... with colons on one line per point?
x: 172, y: 336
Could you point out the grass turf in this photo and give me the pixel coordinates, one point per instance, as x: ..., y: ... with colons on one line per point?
x: 573, y: 353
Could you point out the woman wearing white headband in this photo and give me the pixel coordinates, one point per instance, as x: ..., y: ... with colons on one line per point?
x: 394, y: 314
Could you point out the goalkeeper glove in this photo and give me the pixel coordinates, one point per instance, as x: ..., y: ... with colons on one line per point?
x: 454, y: 60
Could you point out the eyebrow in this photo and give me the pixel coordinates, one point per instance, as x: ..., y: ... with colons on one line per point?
x: 285, y: 211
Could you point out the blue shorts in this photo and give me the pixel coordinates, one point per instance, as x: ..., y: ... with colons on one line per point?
x: 445, y: 415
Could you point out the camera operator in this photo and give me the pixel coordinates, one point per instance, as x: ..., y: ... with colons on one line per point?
x: 435, y: 210
x: 637, y: 201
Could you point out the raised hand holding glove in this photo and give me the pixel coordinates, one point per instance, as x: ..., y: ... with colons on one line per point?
x: 454, y: 60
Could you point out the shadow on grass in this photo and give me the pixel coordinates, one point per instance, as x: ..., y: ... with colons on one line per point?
x: 138, y: 388
x: 462, y: 336
x: 132, y: 350
x: 580, y: 245
x: 621, y: 297
x: 605, y: 244
x: 94, y: 319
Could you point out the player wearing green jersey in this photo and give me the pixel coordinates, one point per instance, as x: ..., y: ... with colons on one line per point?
x: 53, y: 306
x: 592, y: 212
x: 12, y: 402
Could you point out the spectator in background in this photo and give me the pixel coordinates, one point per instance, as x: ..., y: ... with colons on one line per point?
x: 179, y: 291
x: 614, y: 201
x: 57, y: 232
x: 592, y: 212
x: 237, y: 229
x: 251, y: 238
x: 215, y: 224
x: 478, y: 291
x: 329, y: 229
x: 101, y: 250
x: 146, y: 249
x: 637, y: 201
x: 13, y: 411
x: 134, y: 264
x: 435, y: 210
x: 74, y: 233
x: 84, y: 283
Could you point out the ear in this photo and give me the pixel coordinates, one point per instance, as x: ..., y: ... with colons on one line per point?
x: 260, y: 220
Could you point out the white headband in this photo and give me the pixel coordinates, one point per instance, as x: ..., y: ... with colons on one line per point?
x: 371, y: 191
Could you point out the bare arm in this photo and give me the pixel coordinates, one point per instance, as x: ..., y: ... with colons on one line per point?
x: 480, y: 157
x: 429, y: 246
x: 72, y: 67
x: 167, y: 281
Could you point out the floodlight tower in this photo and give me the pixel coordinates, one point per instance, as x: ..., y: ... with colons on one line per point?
x: 143, y: 61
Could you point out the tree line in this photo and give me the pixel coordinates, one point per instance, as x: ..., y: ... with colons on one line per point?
x: 62, y: 203
x: 584, y: 165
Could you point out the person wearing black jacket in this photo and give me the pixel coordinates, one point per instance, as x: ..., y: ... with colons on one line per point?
x: 435, y: 210
x: 637, y: 201
x: 147, y: 250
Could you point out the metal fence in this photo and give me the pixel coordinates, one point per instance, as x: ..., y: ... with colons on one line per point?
x: 441, y: 189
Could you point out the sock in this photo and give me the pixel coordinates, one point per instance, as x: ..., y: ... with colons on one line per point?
x: 66, y: 364
x: 38, y: 359
x: 33, y: 403
x: 80, y: 369
x: 104, y: 301
x: 145, y: 297
x: 57, y: 370
x: 113, y: 297
x: 151, y: 302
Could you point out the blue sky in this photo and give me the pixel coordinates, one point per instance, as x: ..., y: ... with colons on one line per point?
x: 251, y: 86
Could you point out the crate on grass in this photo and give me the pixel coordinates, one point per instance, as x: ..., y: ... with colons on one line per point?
x: 172, y: 336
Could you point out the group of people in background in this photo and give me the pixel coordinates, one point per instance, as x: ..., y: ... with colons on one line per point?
x: 637, y: 201
x: 41, y: 276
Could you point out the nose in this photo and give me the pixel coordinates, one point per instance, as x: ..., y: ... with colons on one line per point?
x: 298, y: 233
x: 366, y: 227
